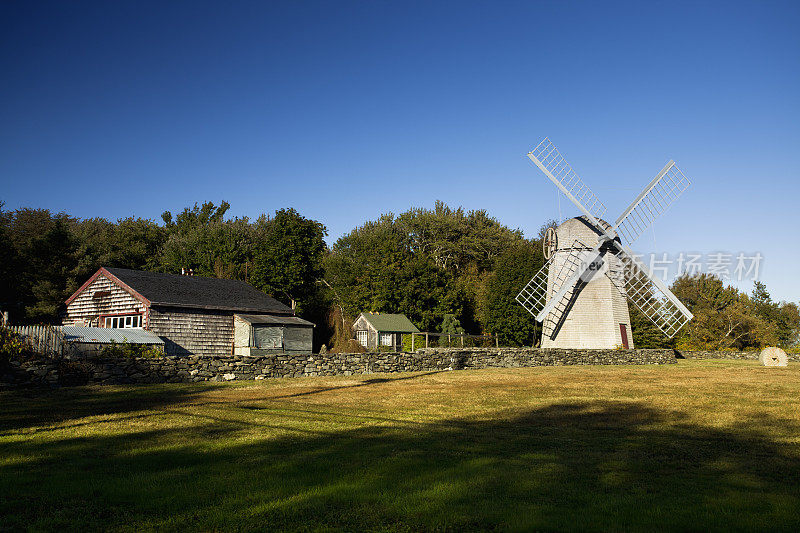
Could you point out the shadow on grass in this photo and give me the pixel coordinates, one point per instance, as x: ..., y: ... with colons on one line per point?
x: 27, y: 408
x: 361, y: 383
x: 584, y: 466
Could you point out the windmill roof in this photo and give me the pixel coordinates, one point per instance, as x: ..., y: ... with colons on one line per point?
x: 395, y: 323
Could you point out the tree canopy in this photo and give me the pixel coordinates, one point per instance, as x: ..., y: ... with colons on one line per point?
x: 449, y: 270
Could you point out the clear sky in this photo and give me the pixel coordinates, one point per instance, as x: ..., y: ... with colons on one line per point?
x: 346, y: 110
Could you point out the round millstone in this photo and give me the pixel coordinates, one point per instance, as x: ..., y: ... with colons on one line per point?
x: 773, y: 357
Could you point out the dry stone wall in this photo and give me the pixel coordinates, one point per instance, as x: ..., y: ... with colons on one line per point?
x: 700, y: 354
x: 97, y: 369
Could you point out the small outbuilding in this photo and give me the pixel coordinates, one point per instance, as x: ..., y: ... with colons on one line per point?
x: 267, y: 334
x: 382, y: 329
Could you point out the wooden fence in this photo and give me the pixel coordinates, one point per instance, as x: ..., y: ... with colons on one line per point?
x: 46, y: 340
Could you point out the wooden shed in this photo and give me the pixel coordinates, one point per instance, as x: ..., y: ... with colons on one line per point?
x: 266, y: 334
x: 382, y: 329
x: 193, y: 314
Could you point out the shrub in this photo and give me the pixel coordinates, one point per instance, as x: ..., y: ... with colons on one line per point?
x: 126, y: 349
x: 11, y: 346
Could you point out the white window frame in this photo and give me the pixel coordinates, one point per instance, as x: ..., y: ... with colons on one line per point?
x: 123, y: 321
x: 362, y: 336
x: 385, y: 339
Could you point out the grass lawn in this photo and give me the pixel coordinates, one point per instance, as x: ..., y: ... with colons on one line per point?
x: 698, y: 445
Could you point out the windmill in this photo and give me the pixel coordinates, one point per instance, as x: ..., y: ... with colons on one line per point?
x: 580, y: 293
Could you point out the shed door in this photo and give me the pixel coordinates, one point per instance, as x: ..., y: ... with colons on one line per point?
x: 270, y: 337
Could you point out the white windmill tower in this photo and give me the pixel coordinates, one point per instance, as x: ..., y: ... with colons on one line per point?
x: 579, y: 294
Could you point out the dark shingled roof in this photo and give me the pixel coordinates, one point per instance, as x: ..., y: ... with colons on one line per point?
x: 198, y: 292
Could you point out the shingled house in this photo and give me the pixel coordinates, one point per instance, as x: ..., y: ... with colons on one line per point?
x: 194, y: 315
x: 382, y: 329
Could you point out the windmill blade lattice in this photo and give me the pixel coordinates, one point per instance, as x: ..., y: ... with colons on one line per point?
x: 547, y: 157
x: 654, y: 300
x: 653, y: 201
x: 534, y: 296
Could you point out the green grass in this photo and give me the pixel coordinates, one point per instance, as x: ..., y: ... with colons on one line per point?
x: 699, y: 445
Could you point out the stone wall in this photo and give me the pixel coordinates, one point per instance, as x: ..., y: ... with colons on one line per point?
x: 700, y: 354
x: 98, y: 369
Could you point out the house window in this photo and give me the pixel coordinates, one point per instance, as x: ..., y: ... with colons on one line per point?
x: 123, y: 321
x: 386, y: 339
x: 362, y: 338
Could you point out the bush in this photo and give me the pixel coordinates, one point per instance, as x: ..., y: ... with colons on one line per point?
x: 407, y: 342
x: 126, y: 349
x: 11, y: 346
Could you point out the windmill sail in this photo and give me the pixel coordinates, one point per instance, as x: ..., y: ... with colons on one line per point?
x: 649, y: 294
x: 561, y: 274
x: 547, y: 157
x: 533, y: 295
x: 651, y: 203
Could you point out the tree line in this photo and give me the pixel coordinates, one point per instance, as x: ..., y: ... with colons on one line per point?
x: 446, y: 268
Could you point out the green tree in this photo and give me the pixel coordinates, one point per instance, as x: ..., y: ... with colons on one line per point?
x: 503, y: 316
x: 42, y: 248
x: 137, y: 243
x: 451, y: 325
x: 454, y: 239
x: 10, y: 267
x: 288, y: 258
x: 375, y: 268
x: 725, y: 318
x: 645, y: 333
x: 201, y: 240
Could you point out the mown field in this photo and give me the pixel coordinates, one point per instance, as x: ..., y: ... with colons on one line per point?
x: 699, y: 445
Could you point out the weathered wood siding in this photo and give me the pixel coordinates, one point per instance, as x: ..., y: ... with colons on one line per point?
x: 193, y: 331
x: 85, y: 309
x: 361, y: 324
x: 297, y: 339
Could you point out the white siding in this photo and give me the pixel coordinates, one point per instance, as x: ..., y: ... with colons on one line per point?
x: 594, y: 319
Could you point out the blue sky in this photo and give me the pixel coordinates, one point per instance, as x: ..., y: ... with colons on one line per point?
x: 346, y: 110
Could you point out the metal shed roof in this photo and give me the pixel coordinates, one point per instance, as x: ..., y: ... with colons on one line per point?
x: 107, y: 335
x: 272, y: 319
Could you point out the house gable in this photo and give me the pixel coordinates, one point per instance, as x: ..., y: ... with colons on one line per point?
x: 362, y: 324
x: 100, y: 297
